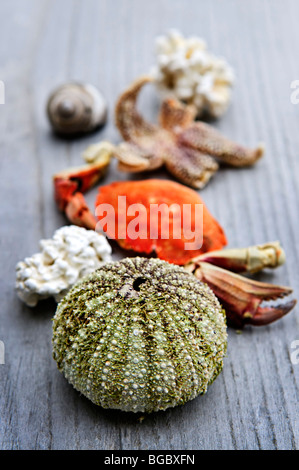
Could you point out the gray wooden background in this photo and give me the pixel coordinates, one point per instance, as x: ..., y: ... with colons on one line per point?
x: 254, y: 403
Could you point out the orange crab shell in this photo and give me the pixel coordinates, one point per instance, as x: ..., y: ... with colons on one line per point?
x: 165, y: 245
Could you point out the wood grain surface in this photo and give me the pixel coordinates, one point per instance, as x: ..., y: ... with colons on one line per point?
x: 254, y: 402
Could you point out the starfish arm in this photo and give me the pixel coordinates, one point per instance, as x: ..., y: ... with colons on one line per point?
x: 190, y: 166
x: 134, y: 158
x: 174, y: 114
x: 207, y: 139
x: 129, y: 122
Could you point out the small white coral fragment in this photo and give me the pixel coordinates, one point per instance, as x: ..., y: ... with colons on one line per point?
x: 187, y: 70
x: 72, y: 253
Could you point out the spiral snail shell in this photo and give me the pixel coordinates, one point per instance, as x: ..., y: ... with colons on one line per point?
x: 76, y: 108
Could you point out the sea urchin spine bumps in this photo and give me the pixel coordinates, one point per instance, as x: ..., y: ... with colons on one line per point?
x: 140, y: 335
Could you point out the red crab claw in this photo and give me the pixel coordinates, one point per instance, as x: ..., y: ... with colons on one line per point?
x: 69, y: 186
x: 241, y: 297
x: 251, y: 259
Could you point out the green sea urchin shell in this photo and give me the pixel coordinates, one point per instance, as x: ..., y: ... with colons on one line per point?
x: 140, y: 335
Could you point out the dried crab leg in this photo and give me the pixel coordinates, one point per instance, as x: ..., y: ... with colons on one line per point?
x: 240, y: 296
x: 187, y: 148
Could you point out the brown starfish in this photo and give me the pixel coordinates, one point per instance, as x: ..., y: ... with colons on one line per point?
x: 187, y: 148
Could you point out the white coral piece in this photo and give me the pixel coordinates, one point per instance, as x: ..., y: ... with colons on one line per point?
x: 188, y: 71
x: 72, y: 253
